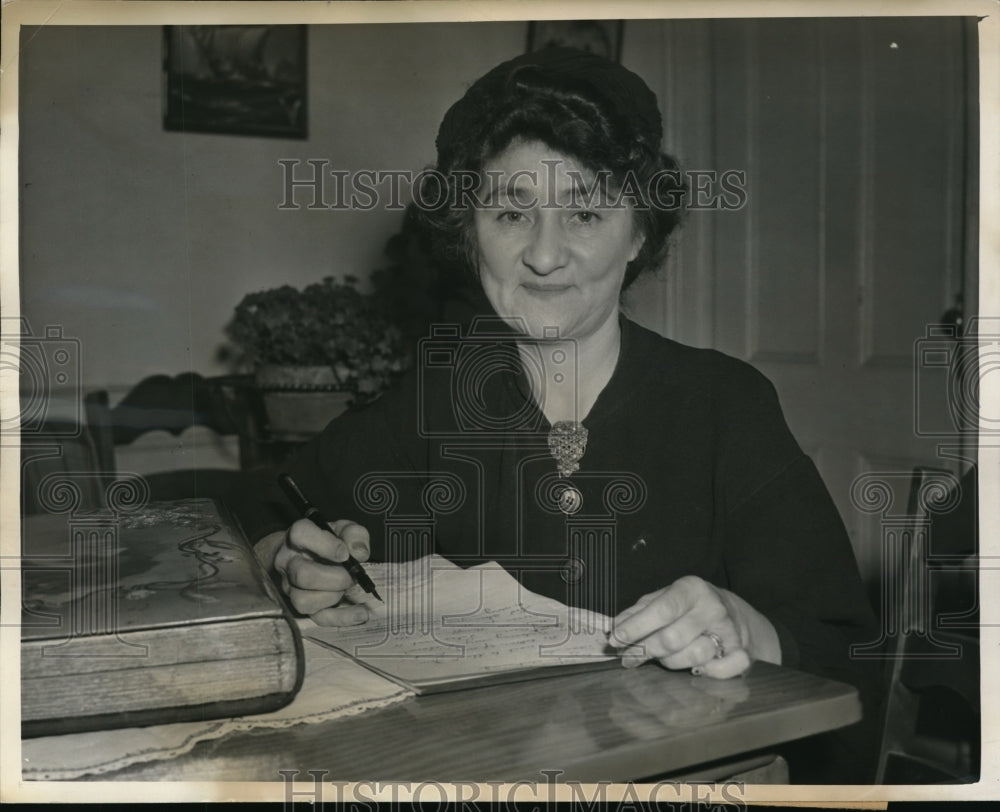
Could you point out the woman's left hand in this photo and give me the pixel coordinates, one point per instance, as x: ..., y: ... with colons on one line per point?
x: 693, y: 624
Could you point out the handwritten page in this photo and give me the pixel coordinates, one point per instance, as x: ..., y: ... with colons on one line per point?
x: 443, y: 627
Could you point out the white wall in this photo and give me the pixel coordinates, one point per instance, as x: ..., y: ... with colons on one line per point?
x: 139, y: 242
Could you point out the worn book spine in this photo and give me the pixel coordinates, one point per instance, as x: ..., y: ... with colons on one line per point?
x: 169, y: 672
x: 191, y: 673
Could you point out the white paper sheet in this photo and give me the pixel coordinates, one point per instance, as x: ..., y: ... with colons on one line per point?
x: 442, y: 624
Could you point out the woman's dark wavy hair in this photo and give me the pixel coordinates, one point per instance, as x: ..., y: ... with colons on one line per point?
x: 571, y: 113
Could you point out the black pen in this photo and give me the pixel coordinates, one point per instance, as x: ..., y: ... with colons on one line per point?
x: 311, y: 512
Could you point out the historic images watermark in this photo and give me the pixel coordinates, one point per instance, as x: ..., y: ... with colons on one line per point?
x: 313, y: 788
x: 459, y: 371
x: 49, y: 418
x: 89, y: 569
x: 948, y: 365
x: 489, y: 356
x: 952, y: 361
x: 48, y: 368
x: 312, y: 184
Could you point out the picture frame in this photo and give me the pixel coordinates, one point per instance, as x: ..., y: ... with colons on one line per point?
x: 603, y: 37
x: 236, y: 79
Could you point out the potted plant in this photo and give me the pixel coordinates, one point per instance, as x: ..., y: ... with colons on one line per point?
x: 315, y: 351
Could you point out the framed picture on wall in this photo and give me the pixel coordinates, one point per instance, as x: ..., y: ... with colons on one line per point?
x: 603, y: 37
x: 237, y: 79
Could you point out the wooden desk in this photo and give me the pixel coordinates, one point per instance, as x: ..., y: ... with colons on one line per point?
x: 616, y: 725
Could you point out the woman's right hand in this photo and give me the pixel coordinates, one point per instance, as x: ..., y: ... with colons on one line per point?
x: 316, y: 585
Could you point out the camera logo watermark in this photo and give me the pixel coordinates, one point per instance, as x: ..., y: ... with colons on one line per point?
x: 951, y: 362
x: 908, y: 563
x: 48, y: 368
x: 472, y: 364
x: 76, y: 595
x: 464, y: 379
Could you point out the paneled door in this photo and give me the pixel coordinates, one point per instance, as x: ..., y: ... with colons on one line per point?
x: 856, y: 238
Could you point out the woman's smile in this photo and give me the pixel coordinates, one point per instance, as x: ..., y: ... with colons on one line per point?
x: 547, y: 260
x: 545, y: 288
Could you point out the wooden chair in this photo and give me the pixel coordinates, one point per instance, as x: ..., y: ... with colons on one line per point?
x: 259, y: 448
x: 57, y: 447
x: 172, y: 405
x: 930, y: 730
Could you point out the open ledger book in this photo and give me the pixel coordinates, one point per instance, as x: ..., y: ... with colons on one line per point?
x: 443, y: 628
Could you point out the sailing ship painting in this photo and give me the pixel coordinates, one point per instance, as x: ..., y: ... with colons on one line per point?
x: 237, y: 79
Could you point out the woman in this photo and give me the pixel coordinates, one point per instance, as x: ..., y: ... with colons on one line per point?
x: 603, y: 464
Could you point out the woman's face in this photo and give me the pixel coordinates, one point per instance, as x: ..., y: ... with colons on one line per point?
x: 547, y: 256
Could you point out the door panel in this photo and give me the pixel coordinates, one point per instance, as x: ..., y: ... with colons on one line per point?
x: 853, y: 135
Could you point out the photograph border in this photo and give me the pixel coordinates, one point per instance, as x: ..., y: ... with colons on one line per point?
x: 32, y: 13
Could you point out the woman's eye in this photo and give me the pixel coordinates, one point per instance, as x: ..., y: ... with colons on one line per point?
x: 586, y: 216
x: 511, y: 216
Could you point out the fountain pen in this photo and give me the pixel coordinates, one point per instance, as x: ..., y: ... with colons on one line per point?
x: 311, y: 512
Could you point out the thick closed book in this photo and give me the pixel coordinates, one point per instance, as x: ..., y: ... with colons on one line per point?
x: 156, y: 615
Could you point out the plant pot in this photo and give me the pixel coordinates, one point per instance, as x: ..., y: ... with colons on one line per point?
x: 299, y: 401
